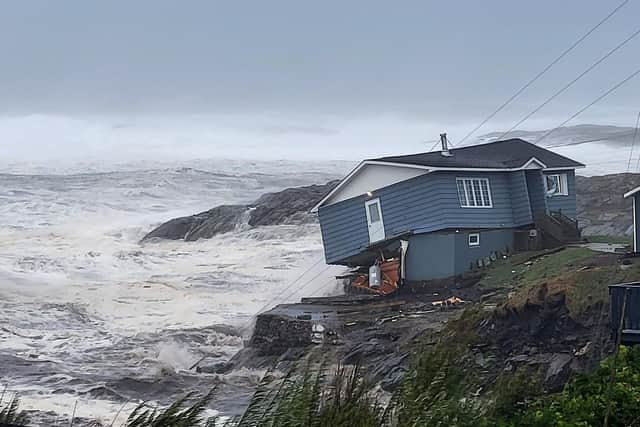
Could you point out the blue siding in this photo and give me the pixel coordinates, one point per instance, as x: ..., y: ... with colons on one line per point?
x: 565, y: 204
x: 422, y: 204
x: 521, y: 205
x: 344, y: 228
x: 537, y: 192
x: 430, y: 256
x: 444, y: 254
x: 490, y: 241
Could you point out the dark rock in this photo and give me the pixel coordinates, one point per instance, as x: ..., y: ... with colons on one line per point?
x: 215, y: 368
x: 601, y: 207
x: 274, y: 334
x: 558, y: 371
x: 289, y: 206
x: 369, y: 348
x: 393, y: 379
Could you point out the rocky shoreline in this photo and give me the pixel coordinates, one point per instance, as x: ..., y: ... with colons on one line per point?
x: 601, y: 210
x: 541, y: 332
x: 289, y: 206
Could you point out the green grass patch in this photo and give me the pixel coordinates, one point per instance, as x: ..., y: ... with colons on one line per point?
x: 624, y: 240
x: 528, y: 268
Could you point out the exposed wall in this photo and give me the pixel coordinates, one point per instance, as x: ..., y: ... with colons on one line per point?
x: 490, y: 241
x: 422, y: 204
x: 430, y: 256
x: 440, y: 255
x: 566, y: 204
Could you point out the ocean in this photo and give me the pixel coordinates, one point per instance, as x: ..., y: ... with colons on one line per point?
x: 93, y: 319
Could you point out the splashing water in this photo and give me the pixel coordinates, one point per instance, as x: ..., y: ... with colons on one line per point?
x: 89, y: 314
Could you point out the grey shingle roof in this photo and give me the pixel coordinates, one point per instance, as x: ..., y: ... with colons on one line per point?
x: 507, y: 154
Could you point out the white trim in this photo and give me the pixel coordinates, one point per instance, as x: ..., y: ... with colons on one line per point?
x: 566, y: 168
x: 466, y: 194
x: 534, y: 160
x: 635, y: 230
x: 403, y: 165
x: 355, y: 170
x: 472, y: 245
x: 368, y: 203
x: 631, y: 193
x: 363, y: 163
x: 563, y: 184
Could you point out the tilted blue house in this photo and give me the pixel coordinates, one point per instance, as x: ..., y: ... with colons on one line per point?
x: 444, y: 211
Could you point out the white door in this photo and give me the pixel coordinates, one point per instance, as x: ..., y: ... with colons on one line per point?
x: 374, y: 220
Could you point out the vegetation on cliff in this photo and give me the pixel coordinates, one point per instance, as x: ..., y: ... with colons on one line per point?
x: 534, y: 350
x: 534, y: 359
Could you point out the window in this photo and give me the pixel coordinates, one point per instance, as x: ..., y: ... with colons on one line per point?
x: 374, y: 212
x: 474, y: 239
x: 556, y: 185
x: 474, y: 192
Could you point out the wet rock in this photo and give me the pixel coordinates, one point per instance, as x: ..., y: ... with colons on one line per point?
x: 215, y: 368
x: 369, y: 348
x: 393, y: 379
x: 275, y: 334
x: 289, y: 206
x: 391, y: 371
x: 558, y: 371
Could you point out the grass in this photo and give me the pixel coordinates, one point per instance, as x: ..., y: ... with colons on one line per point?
x: 624, y: 240
x: 177, y: 414
x: 310, y: 398
x: 579, y: 275
x: 10, y: 412
x: 529, y: 268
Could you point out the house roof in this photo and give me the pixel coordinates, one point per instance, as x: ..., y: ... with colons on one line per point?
x: 507, y: 154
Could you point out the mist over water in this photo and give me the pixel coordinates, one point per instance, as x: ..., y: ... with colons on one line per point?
x: 88, y: 313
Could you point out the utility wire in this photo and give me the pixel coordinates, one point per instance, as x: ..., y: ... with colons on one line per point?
x: 433, y: 146
x: 576, y: 114
x: 541, y: 73
x: 287, y: 287
x: 572, y: 82
x: 275, y: 299
x: 633, y: 143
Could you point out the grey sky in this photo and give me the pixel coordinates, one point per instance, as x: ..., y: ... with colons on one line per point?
x: 425, y: 58
x: 153, y: 79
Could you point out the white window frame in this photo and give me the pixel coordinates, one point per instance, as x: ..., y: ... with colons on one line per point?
x: 563, y: 184
x: 370, y: 223
x: 477, y: 242
x: 465, y: 203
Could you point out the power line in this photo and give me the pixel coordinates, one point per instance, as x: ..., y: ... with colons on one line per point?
x: 277, y: 297
x: 541, y: 73
x: 434, y: 145
x: 633, y: 143
x: 306, y: 285
x: 576, y: 114
x: 287, y: 287
x: 571, y: 83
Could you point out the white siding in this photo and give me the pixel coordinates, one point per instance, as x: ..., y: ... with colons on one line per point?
x: 373, y: 177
